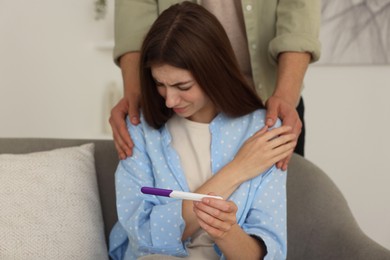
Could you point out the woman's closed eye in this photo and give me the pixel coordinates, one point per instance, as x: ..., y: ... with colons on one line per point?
x: 182, y: 87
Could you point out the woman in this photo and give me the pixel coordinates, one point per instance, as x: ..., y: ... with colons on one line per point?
x: 202, y: 130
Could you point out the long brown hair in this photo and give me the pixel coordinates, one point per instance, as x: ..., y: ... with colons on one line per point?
x: 189, y: 37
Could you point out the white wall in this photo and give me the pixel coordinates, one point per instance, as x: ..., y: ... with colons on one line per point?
x: 53, y: 78
x: 348, y: 136
x: 54, y: 83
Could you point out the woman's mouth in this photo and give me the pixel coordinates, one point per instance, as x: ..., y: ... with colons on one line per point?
x: 179, y: 110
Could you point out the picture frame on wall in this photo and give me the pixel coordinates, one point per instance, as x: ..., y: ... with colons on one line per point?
x: 355, y: 32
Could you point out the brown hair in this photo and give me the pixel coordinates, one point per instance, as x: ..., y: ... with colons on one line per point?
x: 189, y: 37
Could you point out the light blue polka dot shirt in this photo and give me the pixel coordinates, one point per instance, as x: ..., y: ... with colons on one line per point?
x: 154, y: 225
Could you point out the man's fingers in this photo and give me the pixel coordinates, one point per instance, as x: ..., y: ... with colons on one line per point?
x: 284, y: 155
x: 294, y: 122
x: 271, y: 115
x: 285, y: 162
x: 133, y: 110
x: 119, y: 131
x: 125, y: 141
x: 122, y: 139
x: 274, y: 133
x: 118, y: 143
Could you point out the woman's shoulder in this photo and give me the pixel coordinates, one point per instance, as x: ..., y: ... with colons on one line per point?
x: 143, y: 130
x: 254, y: 120
x: 255, y: 116
x: 142, y: 125
x: 261, y: 114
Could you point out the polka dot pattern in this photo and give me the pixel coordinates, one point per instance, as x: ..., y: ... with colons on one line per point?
x: 154, y: 225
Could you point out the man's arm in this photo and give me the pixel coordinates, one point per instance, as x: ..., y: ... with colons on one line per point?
x: 292, y: 67
x: 132, y: 20
x: 295, y: 45
x: 128, y: 105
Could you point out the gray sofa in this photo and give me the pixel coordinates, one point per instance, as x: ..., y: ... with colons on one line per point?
x: 320, y: 223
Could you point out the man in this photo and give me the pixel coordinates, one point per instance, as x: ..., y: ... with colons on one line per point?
x: 274, y: 42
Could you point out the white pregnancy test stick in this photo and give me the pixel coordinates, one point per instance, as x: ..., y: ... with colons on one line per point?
x: 177, y: 194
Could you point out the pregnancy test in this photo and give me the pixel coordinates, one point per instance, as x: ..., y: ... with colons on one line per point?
x: 177, y: 194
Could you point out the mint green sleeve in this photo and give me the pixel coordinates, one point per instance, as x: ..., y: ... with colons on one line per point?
x: 297, y: 28
x: 133, y: 19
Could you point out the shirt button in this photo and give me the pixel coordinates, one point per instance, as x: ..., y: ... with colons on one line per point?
x: 249, y: 7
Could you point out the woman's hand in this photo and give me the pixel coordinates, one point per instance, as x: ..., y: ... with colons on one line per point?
x: 262, y: 150
x: 216, y: 217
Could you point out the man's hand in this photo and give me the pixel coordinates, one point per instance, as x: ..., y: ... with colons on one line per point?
x: 277, y: 107
x: 123, y: 143
x: 122, y: 140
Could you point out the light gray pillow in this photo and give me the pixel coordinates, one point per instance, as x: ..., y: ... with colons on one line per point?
x: 49, y: 206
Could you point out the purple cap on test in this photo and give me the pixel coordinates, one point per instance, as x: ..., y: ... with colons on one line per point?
x: 156, y: 191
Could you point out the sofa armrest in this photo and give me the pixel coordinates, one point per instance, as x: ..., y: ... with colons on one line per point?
x: 320, y: 224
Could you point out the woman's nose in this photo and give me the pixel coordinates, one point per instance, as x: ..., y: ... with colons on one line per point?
x: 172, y: 97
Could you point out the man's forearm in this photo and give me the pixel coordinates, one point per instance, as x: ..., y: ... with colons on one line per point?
x: 292, y: 67
x: 129, y: 64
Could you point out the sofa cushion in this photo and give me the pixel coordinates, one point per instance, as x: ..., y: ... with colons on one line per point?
x: 50, y: 206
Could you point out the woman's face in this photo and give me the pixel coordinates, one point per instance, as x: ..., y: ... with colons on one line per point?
x: 183, y: 94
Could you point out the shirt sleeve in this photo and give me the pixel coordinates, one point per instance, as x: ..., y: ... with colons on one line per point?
x: 297, y: 28
x: 133, y: 18
x: 153, y: 225
x: 267, y: 218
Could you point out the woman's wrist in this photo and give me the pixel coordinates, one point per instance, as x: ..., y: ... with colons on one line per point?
x: 230, y: 176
